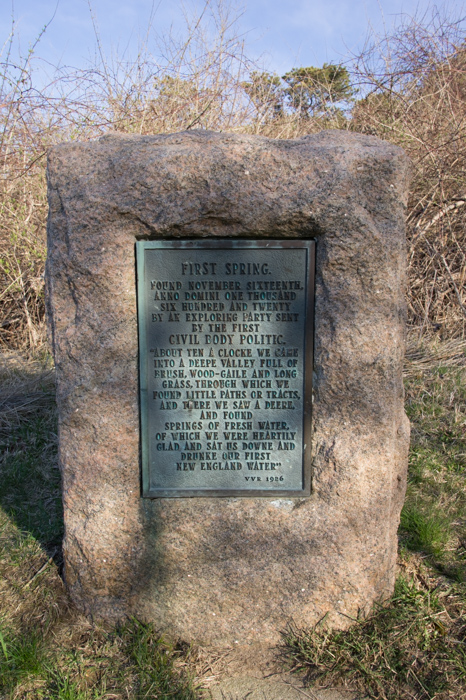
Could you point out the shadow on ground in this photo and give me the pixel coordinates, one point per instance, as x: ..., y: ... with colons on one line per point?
x: 30, y: 484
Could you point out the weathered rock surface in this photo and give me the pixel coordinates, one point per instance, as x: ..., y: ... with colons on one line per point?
x: 230, y: 570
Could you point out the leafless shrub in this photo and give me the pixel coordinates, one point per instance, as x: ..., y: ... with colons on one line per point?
x: 193, y: 82
x: 414, y: 83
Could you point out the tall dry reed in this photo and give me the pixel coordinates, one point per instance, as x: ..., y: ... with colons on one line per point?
x: 408, y: 87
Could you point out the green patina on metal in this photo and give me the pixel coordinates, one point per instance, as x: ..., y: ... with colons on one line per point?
x: 225, y: 347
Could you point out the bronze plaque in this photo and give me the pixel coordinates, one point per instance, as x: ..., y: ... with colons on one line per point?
x: 225, y: 346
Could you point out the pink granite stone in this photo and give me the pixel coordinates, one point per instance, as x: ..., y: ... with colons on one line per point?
x: 222, y: 570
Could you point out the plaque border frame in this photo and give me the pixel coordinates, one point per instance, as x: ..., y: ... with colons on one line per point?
x: 308, y: 365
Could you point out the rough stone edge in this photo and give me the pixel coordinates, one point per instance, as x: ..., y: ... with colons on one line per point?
x: 221, y: 139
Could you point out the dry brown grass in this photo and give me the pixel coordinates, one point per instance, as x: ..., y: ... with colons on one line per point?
x: 428, y: 353
x: 53, y: 652
x: 192, y: 83
x: 414, y: 83
x: 413, y: 646
x: 47, y: 649
x: 415, y: 95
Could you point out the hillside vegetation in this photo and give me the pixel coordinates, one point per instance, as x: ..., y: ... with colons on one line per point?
x: 408, y: 88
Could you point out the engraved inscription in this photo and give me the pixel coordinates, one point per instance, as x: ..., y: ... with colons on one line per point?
x: 225, y: 351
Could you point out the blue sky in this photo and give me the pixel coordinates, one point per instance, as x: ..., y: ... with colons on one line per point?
x: 284, y: 34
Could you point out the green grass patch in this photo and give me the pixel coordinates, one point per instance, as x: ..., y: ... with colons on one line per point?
x: 30, y: 485
x: 425, y: 531
x: 132, y: 662
x: 47, y: 650
x: 414, y: 647
x: 433, y: 520
x: 23, y: 657
x: 407, y: 649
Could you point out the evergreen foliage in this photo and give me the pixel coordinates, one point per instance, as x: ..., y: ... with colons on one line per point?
x: 315, y: 92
